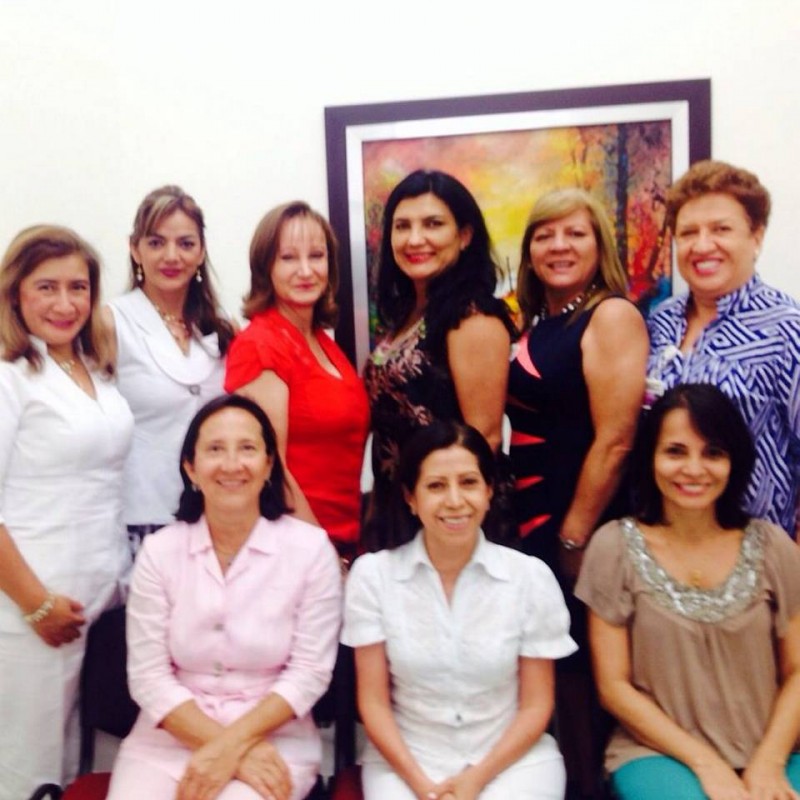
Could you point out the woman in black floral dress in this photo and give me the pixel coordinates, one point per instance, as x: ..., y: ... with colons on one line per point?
x: 447, y: 338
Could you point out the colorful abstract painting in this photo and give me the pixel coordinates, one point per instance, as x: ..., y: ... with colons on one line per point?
x: 624, y: 144
x: 627, y: 165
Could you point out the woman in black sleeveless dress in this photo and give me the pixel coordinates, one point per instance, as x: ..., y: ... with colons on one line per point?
x: 576, y: 384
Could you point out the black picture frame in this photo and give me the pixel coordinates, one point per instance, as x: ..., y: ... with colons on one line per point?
x: 686, y: 103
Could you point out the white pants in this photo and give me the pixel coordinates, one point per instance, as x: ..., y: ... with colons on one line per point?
x: 39, y: 736
x: 544, y: 780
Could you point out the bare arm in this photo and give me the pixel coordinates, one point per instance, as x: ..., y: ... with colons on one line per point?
x: 644, y: 719
x: 478, y: 353
x: 765, y: 775
x: 614, y: 349
x: 375, y: 706
x: 272, y: 394
x: 17, y: 580
x: 536, y: 699
x: 222, y: 753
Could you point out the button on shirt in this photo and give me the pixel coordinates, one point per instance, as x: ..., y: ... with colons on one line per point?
x: 454, y: 667
x: 751, y: 351
x: 270, y: 624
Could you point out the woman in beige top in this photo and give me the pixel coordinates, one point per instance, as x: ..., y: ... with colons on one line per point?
x: 695, y: 618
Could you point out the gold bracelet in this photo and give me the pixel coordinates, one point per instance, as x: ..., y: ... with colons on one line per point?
x: 44, y: 609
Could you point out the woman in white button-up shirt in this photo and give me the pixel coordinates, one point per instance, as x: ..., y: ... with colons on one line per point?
x: 64, y: 436
x: 455, y: 639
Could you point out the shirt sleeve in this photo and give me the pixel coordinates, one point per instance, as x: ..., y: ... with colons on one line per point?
x: 257, y: 350
x: 363, y: 605
x: 604, y: 582
x: 782, y: 574
x: 151, y: 674
x: 546, y: 622
x: 318, y: 618
x: 790, y: 379
x: 12, y: 404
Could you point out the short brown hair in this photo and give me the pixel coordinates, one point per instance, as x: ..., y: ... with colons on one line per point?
x: 30, y: 248
x: 705, y: 177
x: 611, y: 277
x: 264, y: 251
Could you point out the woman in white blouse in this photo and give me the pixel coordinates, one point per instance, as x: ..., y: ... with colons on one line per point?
x: 455, y: 639
x: 64, y: 436
x: 170, y: 340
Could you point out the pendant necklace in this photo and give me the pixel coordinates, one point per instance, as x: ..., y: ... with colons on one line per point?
x: 176, y: 326
x: 67, y: 365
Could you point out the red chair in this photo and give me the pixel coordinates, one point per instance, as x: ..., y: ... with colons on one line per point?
x: 347, y: 784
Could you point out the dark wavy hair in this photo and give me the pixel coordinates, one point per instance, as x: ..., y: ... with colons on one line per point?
x: 272, y: 501
x: 439, y: 435
x: 462, y: 289
x: 717, y: 420
x: 201, y: 307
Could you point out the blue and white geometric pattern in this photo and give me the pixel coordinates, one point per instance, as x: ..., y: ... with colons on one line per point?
x: 751, y: 351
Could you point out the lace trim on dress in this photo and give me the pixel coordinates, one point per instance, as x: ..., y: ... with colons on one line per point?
x: 703, y: 605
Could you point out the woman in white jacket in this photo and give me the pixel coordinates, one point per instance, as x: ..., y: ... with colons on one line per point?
x: 170, y: 342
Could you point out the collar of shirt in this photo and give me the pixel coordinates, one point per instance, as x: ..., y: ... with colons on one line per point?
x: 147, y: 317
x: 412, y: 556
x: 262, y: 537
x: 727, y: 304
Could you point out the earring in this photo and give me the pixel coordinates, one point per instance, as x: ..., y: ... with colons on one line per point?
x: 195, y: 487
x: 139, y: 274
x: 198, y: 276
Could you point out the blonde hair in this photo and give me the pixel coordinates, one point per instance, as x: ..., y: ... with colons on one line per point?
x: 610, y: 278
x: 264, y: 250
x: 30, y: 248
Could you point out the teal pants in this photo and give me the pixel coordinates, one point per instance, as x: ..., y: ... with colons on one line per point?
x: 664, y: 778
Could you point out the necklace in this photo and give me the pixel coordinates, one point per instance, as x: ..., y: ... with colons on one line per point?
x: 573, y: 305
x: 177, y: 326
x: 67, y: 365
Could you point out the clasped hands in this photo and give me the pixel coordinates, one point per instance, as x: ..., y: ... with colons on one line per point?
x: 463, y: 786
x: 759, y: 782
x: 214, y: 765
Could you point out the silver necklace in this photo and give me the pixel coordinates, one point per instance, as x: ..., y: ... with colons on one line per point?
x: 573, y: 305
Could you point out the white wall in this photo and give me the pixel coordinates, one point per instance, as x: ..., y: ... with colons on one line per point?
x: 103, y: 100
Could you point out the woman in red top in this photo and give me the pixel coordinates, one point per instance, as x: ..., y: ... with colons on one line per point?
x: 288, y: 364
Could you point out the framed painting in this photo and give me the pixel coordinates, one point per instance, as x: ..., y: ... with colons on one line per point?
x: 625, y: 144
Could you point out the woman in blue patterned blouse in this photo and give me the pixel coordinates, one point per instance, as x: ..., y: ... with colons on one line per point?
x: 731, y: 329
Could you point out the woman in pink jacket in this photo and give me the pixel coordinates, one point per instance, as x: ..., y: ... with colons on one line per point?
x: 233, y: 620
